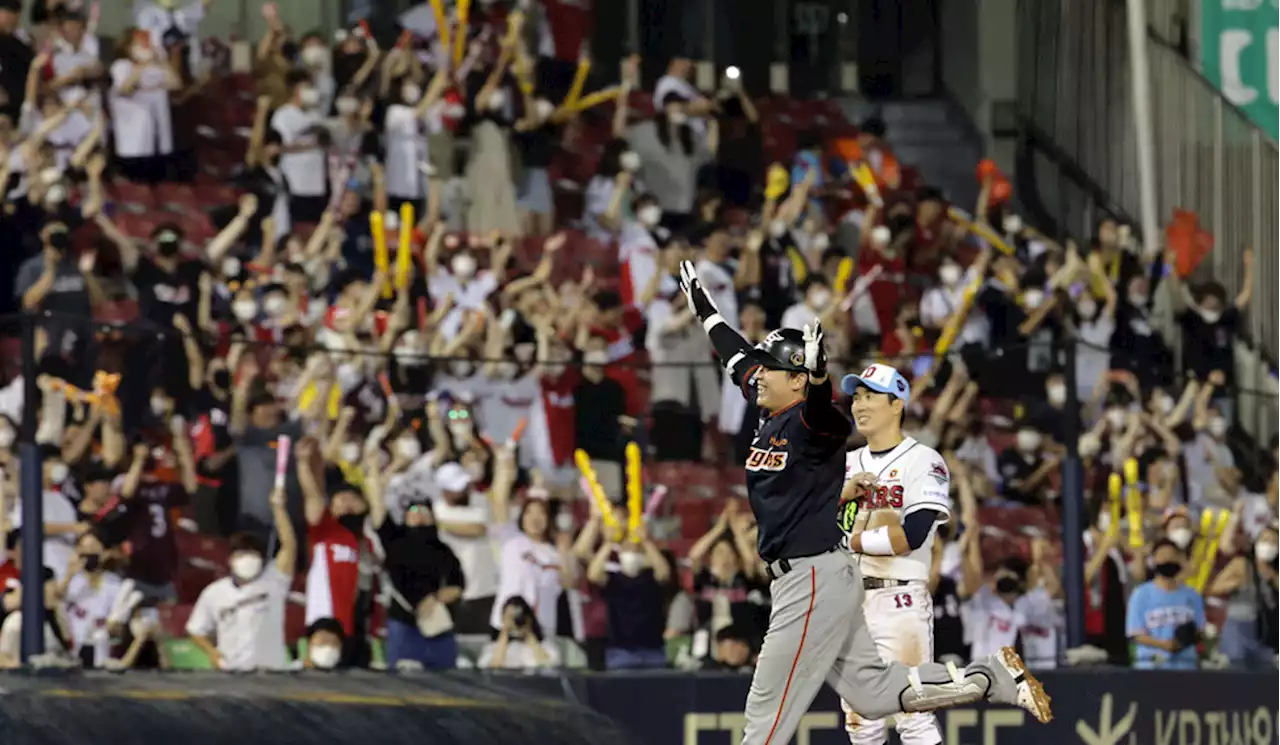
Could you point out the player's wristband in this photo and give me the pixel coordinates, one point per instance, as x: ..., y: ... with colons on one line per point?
x: 876, y: 542
x: 711, y: 321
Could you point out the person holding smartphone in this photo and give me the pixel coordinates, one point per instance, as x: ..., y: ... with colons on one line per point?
x: 520, y: 643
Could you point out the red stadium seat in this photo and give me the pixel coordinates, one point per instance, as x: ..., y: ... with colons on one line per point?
x: 137, y: 198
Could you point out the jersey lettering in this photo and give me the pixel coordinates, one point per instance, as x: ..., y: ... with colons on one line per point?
x: 884, y: 496
x: 766, y: 460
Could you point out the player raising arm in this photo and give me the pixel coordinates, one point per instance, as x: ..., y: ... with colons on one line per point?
x: 817, y: 631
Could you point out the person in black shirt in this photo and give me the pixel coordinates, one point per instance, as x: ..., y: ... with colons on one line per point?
x: 1024, y: 469
x: 740, y: 157
x: 600, y: 408
x: 15, y: 59
x: 631, y: 577
x: 949, y: 643
x: 1209, y: 327
x: 168, y: 283
x: 535, y: 137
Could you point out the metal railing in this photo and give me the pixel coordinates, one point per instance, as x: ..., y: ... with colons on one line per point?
x: 1210, y: 159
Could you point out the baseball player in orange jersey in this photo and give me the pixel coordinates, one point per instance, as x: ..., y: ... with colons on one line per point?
x: 902, y: 487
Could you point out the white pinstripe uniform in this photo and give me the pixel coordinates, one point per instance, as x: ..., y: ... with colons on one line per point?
x: 899, y: 614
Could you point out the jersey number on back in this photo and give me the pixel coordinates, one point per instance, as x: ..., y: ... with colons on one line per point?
x: 884, y: 496
x: 766, y: 460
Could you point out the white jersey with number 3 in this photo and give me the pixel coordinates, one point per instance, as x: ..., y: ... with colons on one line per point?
x: 910, y: 477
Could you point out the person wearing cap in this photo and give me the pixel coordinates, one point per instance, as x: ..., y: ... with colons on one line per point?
x: 463, y: 525
x: 816, y: 624
x: 903, y: 490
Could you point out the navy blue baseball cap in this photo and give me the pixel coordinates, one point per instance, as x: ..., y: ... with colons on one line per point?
x: 881, y: 379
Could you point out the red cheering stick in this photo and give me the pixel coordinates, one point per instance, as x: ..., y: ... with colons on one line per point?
x: 282, y: 459
x: 518, y: 431
x: 422, y: 312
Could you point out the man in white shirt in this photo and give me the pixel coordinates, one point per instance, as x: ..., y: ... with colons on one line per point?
x: 76, y: 60
x: 61, y: 521
x: 463, y: 520
x: 302, y: 159
x: 244, y: 612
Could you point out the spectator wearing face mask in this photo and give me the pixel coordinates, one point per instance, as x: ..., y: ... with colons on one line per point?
x: 727, y: 590
x: 671, y: 151
x: 405, y: 130
x: 1018, y: 607
x: 62, y: 523
x: 1048, y: 414
x: 1248, y: 585
x: 1209, y: 459
x: 536, y: 139
x: 302, y: 160
x: 1165, y: 616
x: 138, y: 99
x: 462, y: 280
x: 1025, y: 467
x: 535, y: 564
x: 238, y: 621
x: 463, y: 522
x: 88, y: 591
x: 54, y: 280
x: 600, y: 417
x: 339, y: 580
x: 521, y: 642
x: 325, y: 641
x: 817, y: 301
x: 256, y: 425
x: 57, y: 629
x: 606, y: 200
x: 1210, y: 326
x: 172, y: 23
x: 426, y: 582
x: 152, y: 492
x: 631, y: 576
x: 314, y: 57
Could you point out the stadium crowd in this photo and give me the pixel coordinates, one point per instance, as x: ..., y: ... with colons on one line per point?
x: 216, y: 263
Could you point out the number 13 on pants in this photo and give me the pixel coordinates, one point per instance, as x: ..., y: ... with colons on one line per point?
x: 900, y: 620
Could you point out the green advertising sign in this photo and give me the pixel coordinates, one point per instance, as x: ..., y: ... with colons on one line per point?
x: 1238, y: 54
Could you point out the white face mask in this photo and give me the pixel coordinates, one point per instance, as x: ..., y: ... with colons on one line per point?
x: 564, y: 522
x: 411, y: 94
x: 309, y: 97
x: 246, y: 567
x: 1266, y: 552
x: 275, y: 305
x: 821, y: 242
x: 949, y: 274
x: 315, y: 56
x: 1032, y: 298
x: 459, y: 430
x: 1087, y: 308
x: 1211, y: 316
x: 777, y: 228
x: 1090, y: 445
x: 142, y: 55
x: 1012, y: 224
x: 58, y: 473
x: 460, y: 369
x: 677, y: 117
x: 50, y: 175
x: 244, y: 310
x: 1164, y: 404
x: 1181, y: 537
x: 544, y: 109
x: 463, y: 265
x: 7, y: 436
x: 880, y: 235
x: 347, y: 105
x: 325, y: 657
x: 1028, y: 441
x: 349, y: 376
x: 407, y: 351
x: 349, y: 452
x: 1217, y: 426
x: 631, y: 563
x: 1137, y: 298
x: 497, y: 99
x: 408, y: 448
x: 1116, y: 418
x: 818, y: 299
x: 159, y: 406
x: 56, y: 194
x: 629, y: 161
x: 1104, y: 521
x: 1057, y: 394
x: 596, y: 357
x: 230, y: 267
x: 649, y: 215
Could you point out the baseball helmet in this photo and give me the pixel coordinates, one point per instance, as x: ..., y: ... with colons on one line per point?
x: 785, y: 350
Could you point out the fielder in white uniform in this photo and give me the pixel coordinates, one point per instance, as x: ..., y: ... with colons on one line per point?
x: 903, y: 487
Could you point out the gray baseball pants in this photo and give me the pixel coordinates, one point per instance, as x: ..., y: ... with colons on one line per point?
x: 817, y: 633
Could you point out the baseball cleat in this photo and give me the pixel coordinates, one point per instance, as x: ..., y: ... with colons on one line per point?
x: 1031, y: 695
